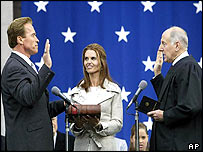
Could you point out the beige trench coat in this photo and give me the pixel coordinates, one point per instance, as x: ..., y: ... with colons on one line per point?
x: 111, y: 120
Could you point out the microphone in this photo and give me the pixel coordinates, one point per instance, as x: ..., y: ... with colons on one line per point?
x: 142, y: 86
x: 56, y: 91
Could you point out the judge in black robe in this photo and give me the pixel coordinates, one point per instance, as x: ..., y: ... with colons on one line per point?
x: 177, y: 124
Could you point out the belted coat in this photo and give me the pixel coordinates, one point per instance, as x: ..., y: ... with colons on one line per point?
x: 111, y: 119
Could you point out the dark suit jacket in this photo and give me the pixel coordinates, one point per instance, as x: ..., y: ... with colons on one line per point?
x: 180, y: 94
x: 27, y: 109
x: 3, y: 143
x: 60, y: 144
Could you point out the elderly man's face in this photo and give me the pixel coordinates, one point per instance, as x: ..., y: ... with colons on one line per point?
x: 169, y: 50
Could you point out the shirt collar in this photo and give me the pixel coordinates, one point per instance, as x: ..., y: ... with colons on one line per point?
x: 24, y: 57
x: 184, y: 54
x: 55, y: 138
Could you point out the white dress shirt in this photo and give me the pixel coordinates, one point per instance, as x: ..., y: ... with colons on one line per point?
x: 24, y: 57
x: 184, y: 54
x: 55, y: 135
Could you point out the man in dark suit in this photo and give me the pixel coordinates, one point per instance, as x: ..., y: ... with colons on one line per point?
x: 177, y: 124
x: 26, y: 104
x: 60, y: 138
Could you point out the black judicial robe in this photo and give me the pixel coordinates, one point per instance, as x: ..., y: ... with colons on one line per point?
x: 180, y: 94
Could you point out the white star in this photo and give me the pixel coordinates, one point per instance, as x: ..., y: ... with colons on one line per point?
x: 148, y: 5
x: 200, y: 62
x: 67, y: 94
x: 198, y: 6
x: 41, y: 5
x: 148, y: 64
x: 122, y: 34
x: 95, y: 5
x: 124, y: 94
x: 69, y: 35
x: 40, y: 64
x: 148, y: 123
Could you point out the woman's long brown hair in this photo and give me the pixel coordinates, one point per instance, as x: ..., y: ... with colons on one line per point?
x: 104, y: 71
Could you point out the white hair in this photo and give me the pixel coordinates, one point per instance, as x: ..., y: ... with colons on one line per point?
x: 178, y: 34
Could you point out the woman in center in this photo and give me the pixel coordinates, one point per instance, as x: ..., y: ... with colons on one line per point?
x: 97, y: 88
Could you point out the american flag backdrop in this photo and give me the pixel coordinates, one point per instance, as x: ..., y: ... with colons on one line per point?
x: 129, y: 31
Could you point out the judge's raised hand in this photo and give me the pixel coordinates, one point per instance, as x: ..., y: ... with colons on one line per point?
x: 46, y: 55
x: 159, y: 62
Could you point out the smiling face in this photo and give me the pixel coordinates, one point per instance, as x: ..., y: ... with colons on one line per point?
x: 91, y: 62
